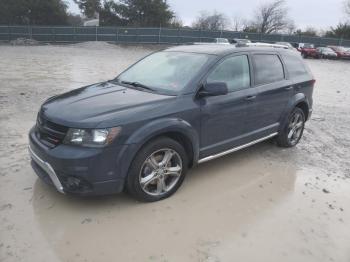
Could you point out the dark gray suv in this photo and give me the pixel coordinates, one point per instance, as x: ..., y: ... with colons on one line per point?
x: 168, y: 112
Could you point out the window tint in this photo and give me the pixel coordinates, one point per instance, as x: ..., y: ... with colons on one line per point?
x: 295, y: 65
x: 268, y: 69
x: 234, y: 71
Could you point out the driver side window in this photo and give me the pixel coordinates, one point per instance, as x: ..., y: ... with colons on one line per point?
x: 234, y: 71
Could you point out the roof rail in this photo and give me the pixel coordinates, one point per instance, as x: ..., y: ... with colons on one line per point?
x: 266, y: 45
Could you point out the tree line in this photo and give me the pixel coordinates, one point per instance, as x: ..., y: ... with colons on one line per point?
x: 269, y: 17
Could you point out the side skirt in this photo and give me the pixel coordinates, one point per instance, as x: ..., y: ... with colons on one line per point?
x: 208, y: 158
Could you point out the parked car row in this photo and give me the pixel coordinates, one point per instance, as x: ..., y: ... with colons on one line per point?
x: 329, y: 52
x: 307, y: 50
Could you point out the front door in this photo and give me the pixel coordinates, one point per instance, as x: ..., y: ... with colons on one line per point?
x: 223, y: 117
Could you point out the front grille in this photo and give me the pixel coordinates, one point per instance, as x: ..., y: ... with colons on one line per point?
x: 49, y: 133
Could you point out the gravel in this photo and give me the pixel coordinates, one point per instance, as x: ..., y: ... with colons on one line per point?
x: 261, y: 204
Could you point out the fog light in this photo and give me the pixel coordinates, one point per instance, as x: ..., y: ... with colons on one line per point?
x: 73, y: 182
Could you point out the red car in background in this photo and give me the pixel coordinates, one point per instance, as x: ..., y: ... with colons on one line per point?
x: 342, y: 52
x: 307, y: 50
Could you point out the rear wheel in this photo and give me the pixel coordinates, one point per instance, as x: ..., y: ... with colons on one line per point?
x: 292, y: 131
x: 158, y: 170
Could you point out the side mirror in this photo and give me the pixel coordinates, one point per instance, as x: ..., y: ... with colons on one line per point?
x: 213, y: 89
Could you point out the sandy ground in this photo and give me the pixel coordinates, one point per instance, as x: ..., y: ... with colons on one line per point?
x: 260, y: 204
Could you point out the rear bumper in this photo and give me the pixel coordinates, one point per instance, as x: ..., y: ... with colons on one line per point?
x: 81, y: 171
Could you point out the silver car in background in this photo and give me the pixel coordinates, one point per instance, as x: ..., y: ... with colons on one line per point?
x: 325, y: 52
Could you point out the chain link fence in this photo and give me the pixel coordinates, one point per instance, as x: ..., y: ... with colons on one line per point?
x: 127, y: 35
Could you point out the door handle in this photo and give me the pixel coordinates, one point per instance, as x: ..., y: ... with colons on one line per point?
x: 289, y: 87
x: 250, y: 98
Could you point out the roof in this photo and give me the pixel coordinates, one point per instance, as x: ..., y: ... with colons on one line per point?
x: 219, y: 50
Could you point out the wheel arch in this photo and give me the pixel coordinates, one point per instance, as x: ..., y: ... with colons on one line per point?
x: 303, y: 105
x: 176, y: 129
x: 298, y: 100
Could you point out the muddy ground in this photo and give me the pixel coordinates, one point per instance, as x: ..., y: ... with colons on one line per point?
x: 261, y: 204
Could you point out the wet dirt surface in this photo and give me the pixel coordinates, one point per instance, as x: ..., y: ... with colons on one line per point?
x: 261, y: 204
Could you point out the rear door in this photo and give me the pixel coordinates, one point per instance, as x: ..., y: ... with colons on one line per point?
x: 273, y: 92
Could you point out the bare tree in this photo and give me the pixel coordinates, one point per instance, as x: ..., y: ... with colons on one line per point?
x: 238, y: 23
x: 89, y: 8
x: 176, y: 22
x: 272, y: 17
x: 211, y: 21
x: 290, y: 28
x: 309, y: 31
x: 347, y: 7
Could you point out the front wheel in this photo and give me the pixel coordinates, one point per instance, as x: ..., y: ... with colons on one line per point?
x: 158, y: 170
x: 292, y: 131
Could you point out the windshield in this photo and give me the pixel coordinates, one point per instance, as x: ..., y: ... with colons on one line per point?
x: 286, y: 44
x: 244, y: 41
x: 165, y: 71
x: 222, y: 40
x: 340, y: 49
x: 308, y: 46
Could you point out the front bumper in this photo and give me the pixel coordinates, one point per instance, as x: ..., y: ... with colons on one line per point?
x: 81, y: 171
x: 46, y: 167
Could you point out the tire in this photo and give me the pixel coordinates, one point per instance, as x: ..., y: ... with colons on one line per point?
x: 158, y: 170
x: 296, y: 121
x: 304, y: 55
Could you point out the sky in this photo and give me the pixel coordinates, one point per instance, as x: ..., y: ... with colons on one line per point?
x: 320, y: 14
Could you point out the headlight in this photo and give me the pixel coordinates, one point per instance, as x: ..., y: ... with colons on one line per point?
x: 91, y: 137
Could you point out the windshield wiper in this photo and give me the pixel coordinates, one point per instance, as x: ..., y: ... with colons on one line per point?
x: 137, y: 84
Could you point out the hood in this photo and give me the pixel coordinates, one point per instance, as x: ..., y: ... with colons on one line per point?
x: 101, y: 105
x: 342, y: 52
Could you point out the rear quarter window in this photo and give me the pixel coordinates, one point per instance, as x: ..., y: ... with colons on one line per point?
x: 295, y: 65
x: 268, y: 68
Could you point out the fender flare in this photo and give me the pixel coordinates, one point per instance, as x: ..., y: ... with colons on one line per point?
x: 152, y: 130
x: 296, y: 99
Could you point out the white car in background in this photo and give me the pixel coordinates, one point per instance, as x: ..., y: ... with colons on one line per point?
x: 240, y: 41
x: 289, y: 45
x: 217, y: 41
x: 223, y: 41
x: 258, y: 44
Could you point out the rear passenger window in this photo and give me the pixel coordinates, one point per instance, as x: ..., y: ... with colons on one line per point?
x: 234, y: 71
x: 268, y: 69
x: 295, y: 66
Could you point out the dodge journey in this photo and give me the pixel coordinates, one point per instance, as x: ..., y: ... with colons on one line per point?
x: 170, y: 111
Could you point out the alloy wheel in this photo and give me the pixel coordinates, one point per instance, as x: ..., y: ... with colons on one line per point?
x: 295, y: 128
x: 160, y: 172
